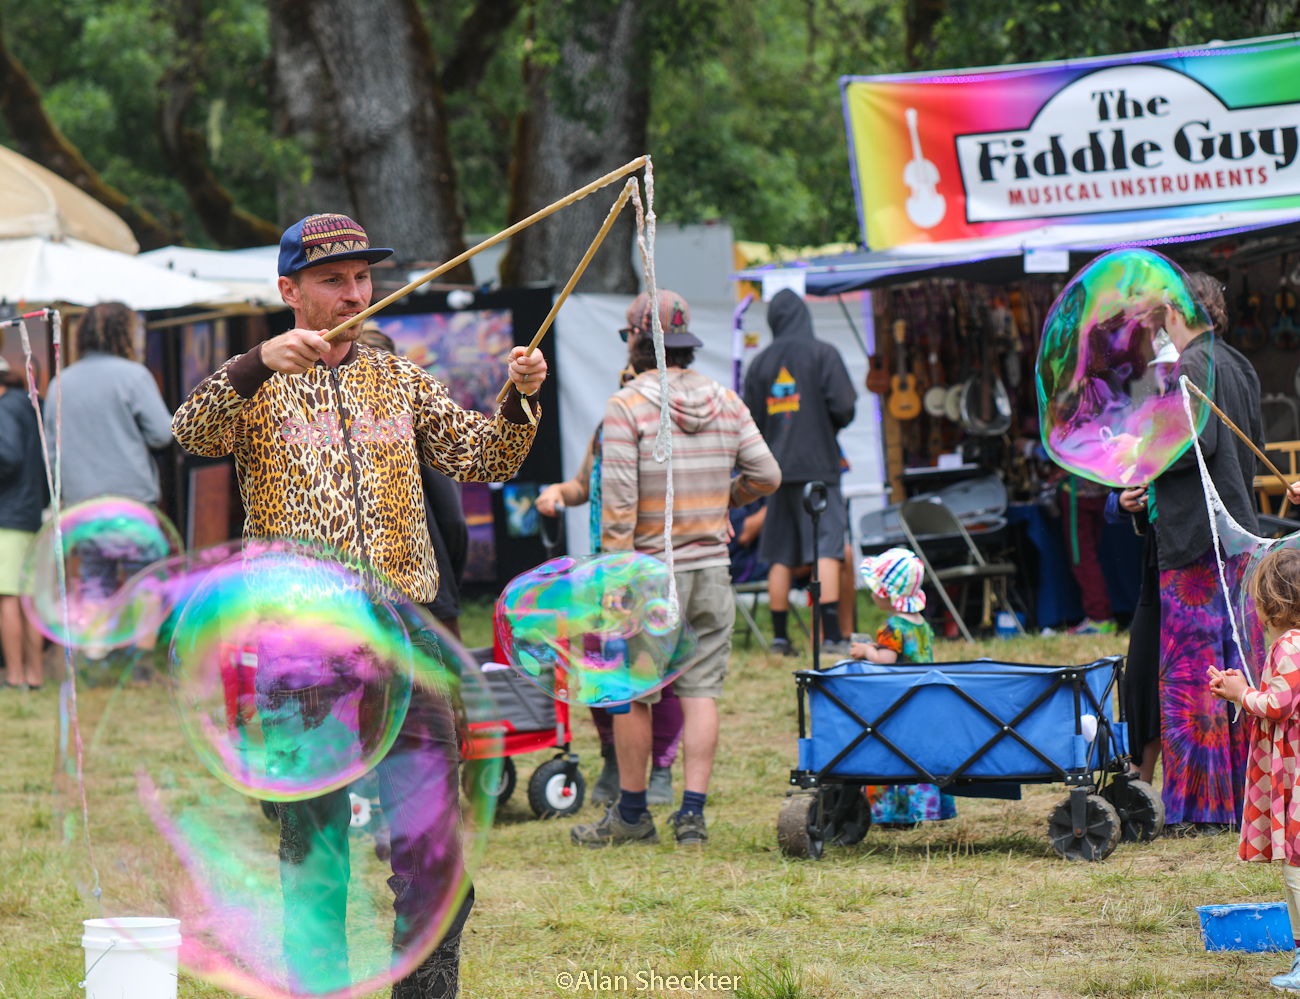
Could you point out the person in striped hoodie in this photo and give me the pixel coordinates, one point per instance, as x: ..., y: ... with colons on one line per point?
x: 719, y: 461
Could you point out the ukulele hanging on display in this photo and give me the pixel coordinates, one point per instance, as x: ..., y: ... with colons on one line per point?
x: 904, y: 400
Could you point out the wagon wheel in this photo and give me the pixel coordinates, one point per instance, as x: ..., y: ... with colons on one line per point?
x: 1141, y: 810
x: 797, y: 831
x: 1100, y: 830
x: 552, y: 793
x: 849, y: 815
x: 477, y: 777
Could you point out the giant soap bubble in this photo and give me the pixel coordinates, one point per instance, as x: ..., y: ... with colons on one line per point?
x: 1109, y: 402
x: 338, y: 893
x: 292, y: 674
x: 106, y: 541
x: 595, y: 630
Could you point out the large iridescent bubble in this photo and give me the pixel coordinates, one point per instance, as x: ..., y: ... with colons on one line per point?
x: 339, y: 894
x: 595, y: 630
x: 292, y: 674
x: 1109, y: 403
x: 106, y: 541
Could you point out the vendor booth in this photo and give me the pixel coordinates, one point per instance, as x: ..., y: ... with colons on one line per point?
x: 981, y: 191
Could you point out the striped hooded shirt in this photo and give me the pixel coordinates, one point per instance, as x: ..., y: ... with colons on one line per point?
x: 713, y: 434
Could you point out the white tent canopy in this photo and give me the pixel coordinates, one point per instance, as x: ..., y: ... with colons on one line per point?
x: 36, y: 270
x: 247, y: 275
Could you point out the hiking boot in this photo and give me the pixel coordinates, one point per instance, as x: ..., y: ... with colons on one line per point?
x: 613, y: 831
x: 660, y: 789
x: 689, y: 829
x: 605, y: 790
x: 1090, y: 627
x: 782, y: 647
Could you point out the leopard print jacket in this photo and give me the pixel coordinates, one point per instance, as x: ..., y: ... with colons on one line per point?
x: 332, y: 455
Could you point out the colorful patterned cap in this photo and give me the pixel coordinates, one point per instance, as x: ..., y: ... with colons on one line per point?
x: 319, y: 238
x: 674, y: 315
x: 896, y: 574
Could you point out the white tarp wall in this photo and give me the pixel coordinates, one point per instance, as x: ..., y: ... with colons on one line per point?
x: 590, y: 356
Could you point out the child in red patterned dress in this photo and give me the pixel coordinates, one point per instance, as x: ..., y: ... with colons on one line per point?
x: 1270, y: 826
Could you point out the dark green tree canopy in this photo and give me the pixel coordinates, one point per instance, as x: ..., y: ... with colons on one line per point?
x: 169, y: 102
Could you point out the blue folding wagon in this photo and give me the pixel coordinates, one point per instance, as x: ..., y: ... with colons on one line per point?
x: 976, y: 729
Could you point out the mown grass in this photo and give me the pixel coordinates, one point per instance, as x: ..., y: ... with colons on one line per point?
x: 978, y: 906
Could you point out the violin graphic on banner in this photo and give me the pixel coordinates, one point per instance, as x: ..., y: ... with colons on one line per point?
x: 925, y: 206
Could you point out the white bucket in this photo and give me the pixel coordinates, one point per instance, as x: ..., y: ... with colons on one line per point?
x: 132, y: 957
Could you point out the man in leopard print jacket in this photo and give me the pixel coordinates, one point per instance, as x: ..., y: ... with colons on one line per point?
x: 327, y: 437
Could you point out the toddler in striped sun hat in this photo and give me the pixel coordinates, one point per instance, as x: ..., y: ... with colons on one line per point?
x: 894, y: 578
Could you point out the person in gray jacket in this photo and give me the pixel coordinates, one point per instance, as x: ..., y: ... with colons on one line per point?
x: 113, y: 413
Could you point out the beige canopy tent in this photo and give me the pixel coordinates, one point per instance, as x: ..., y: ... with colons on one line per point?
x: 59, y: 245
x: 35, y: 201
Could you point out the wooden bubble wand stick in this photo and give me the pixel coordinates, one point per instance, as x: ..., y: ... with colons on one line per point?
x: 456, y: 261
x: 1246, y: 440
x: 628, y: 189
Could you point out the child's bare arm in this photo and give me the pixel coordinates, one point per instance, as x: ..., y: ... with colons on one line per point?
x: 878, y: 654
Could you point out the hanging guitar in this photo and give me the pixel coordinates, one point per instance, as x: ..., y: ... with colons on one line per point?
x: 904, y: 400
x: 938, y: 390
x: 952, y: 403
x: 877, y: 372
x: 1249, y: 333
x: 1285, y: 334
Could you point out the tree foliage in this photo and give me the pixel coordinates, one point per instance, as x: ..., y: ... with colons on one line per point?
x: 744, y: 122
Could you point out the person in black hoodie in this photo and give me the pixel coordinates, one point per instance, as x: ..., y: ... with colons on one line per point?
x: 23, y: 495
x: 801, y: 396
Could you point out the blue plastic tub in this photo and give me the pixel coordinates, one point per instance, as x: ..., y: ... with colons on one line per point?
x: 1246, y: 927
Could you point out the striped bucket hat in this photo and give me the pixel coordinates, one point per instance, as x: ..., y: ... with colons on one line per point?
x: 896, y: 575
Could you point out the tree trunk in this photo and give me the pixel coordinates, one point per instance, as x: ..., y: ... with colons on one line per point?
x: 355, y: 81
x: 40, y: 140
x: 587, y: 115
x: 921, y: 17
x: 476, y: 42
x: 187, y: 148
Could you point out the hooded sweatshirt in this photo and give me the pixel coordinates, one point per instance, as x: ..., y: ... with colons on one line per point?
x: 800, y: 394
x: 713, y: 434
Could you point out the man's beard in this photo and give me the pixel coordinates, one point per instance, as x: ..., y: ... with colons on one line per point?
x: 324, y: 319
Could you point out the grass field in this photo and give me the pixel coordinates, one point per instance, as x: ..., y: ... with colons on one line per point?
x: 977, y: 906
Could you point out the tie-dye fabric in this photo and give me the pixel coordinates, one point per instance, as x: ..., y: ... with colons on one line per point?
x: 1203, y: 751
x: 908, y: 804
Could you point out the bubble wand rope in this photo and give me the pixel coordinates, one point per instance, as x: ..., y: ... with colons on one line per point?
x: 663, y: 449
x: 68, y: 720
x: 1214, y: 504
x: 456, y: 261
x: 614, y: 210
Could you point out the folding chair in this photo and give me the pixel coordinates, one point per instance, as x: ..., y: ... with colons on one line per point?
x: 931, y: 518
x: 747, y: 612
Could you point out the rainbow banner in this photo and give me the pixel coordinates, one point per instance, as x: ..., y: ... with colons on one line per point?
x: 984, y: 152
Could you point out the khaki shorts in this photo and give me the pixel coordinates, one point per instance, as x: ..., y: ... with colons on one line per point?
x: 709, y: 606
x: 13, y: 552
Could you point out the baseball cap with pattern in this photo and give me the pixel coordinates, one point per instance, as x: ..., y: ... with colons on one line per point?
x: 896, y: 574
x: 320, y: 238
x: 674, y: 315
